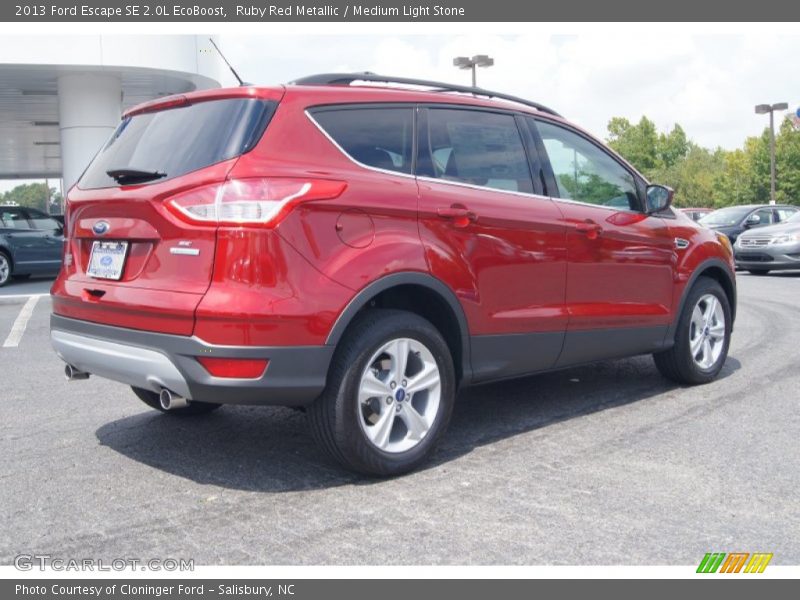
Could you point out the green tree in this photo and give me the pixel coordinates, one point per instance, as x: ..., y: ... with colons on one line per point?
x: 32, y: 195
x: 714, y: 178
x: 787, y: 164
x: 637, y: 143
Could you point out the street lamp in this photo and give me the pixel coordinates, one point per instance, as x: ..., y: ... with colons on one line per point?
x: 479, y: 60
x: 762, y: 109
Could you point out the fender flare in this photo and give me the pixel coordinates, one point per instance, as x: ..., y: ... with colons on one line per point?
x: 406, y: 278
x: 699, y: 270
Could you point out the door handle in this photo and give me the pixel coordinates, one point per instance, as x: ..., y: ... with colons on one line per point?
x: 590, y: 228
x: 460, y: 215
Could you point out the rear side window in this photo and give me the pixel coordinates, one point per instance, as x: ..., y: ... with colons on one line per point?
x: 479, y: 148
x: 39, y: 220
x: 180, y: 140
x: 382, y: 138
x: 12, y: 218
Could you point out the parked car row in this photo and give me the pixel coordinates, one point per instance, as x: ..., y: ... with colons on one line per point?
x: 765, y: 237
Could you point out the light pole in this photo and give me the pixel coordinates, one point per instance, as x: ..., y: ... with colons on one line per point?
x: 762, y: 109
x: 479, y: 60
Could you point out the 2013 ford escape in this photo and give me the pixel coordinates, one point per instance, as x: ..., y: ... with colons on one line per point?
x: 363, y: 250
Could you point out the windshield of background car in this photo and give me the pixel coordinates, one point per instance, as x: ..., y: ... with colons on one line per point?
x: 725, y: 216
x: 180, y: 140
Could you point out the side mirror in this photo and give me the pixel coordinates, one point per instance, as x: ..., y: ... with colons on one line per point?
x: 753, y: 220
x: 659, y: 197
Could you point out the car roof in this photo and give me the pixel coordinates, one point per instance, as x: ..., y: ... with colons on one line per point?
x: 343, y: 93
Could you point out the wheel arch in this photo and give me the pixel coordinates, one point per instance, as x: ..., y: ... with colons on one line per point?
x: 421, y: 294
x: 713, y: 268
x: 7, y: 251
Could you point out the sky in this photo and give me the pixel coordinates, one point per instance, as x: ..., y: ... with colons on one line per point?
x: 707, y: 83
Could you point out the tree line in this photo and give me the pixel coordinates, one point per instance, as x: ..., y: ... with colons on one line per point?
x: 711, y: 178
x: 32, y: 195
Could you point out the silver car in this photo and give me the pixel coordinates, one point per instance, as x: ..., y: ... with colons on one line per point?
x: 769, y: 248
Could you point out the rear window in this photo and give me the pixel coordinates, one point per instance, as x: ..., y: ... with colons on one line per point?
x: 177, y: 141
x: 377, y: 137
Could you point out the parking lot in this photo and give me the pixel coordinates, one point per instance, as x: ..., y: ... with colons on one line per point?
x: 604, y: 464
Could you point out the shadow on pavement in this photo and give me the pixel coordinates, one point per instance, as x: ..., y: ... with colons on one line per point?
x: 269, y: 449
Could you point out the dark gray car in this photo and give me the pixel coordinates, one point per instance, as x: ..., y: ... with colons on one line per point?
x: 31, y: 243
x: 735, y: 220
x: 770, y: 248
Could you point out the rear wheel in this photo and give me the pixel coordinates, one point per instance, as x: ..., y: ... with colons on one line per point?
x: 702, y: 337
x: 193, y: 408
x: 758, y: 271
x: 5, y: 268
x: 389, y: 395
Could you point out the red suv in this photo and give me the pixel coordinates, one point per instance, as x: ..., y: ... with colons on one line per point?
x: 363, y: 250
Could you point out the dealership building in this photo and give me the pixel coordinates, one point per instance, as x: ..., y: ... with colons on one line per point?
x: 62, y: 96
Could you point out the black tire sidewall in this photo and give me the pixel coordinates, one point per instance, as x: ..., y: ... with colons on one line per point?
x: 10, y: 269
x: 357, y: 448
x: 682, y: 341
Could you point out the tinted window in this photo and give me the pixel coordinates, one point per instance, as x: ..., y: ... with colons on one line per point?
x: 177, y: 141
x: 586, y: 173
x: 726, y: 217
x: 39, y: 220
x: 478, y: 148
x: 376, y: 137
x: 13, y: 218
x: 764, y: 216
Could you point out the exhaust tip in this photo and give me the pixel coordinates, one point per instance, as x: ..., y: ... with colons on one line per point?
x: 171, y: 401
x: 74, y: 374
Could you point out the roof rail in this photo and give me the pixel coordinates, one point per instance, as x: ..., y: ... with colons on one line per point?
x: 348, y: 78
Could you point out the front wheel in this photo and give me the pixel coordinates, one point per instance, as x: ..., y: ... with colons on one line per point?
x: 389, y: 395
x: 193, y: 408
x: 702, y: 337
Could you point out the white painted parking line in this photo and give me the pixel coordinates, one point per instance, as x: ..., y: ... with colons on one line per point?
x: 18, y: 296
x: 18, y: 328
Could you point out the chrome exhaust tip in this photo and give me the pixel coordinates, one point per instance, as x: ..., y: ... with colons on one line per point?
x: 170, y: 401
x: 74, y: 374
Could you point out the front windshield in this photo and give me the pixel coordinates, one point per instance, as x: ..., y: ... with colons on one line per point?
x: 726, y: 216
x: 795, y: 218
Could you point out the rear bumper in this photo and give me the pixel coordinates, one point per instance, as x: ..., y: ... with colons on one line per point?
x: 295, y: 375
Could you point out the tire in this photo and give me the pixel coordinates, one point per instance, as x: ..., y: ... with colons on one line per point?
x: 385, y: 435
x: 193, y: 408
x: 758, y: 271
x: 5, y: 268
x: 680, y: 363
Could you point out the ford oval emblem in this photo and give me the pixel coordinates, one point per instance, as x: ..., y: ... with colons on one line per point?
x: 101, y: 227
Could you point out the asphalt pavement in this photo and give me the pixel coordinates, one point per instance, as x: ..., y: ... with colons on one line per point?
x: 603, y: 464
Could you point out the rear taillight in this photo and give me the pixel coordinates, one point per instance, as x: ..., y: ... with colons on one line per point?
x: 261, y: 202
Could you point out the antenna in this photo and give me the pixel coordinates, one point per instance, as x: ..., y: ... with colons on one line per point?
x: 235, y: 74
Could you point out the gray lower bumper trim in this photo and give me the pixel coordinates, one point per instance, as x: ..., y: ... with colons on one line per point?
x: 132, y: 365
x: 295, y: 375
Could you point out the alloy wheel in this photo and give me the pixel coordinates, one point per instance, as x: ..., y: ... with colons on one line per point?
x: 5, y: 269
x: 399, y: 395
x: 707, y: 331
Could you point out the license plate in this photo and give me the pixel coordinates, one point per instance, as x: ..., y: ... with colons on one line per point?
x: 107, y: 260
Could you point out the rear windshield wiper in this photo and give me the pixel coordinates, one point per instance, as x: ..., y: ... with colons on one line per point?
x: 131, y: 175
